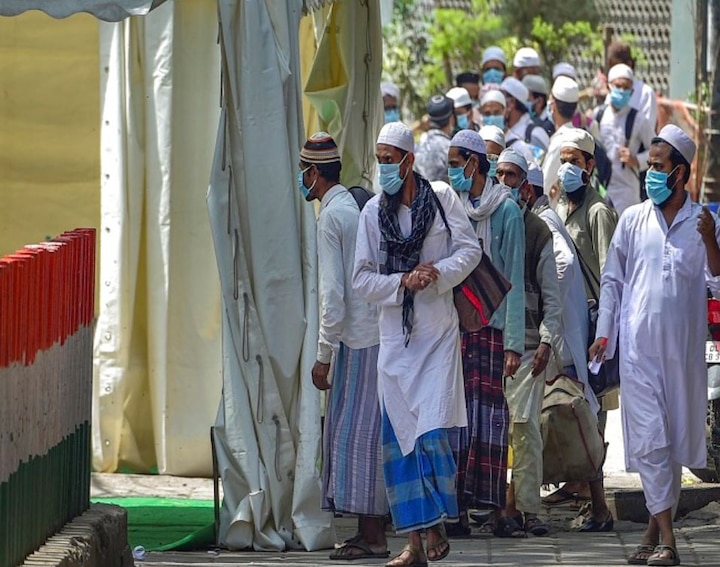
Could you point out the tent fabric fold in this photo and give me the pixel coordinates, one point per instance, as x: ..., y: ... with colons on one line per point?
x: 110, y: 11
x: 157, y: 350
x: 268, y: 424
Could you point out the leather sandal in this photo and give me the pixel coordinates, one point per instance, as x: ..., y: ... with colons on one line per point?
x: 641, y: 554
x: 415, y: 554
x: 664, y: 555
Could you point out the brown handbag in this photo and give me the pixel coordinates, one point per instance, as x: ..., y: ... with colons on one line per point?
x: 479, y: 295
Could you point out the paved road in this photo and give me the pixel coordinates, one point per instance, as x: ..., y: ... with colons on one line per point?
x: 696, y: 545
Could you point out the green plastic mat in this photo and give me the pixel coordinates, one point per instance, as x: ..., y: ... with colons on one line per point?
x: 164, y: 524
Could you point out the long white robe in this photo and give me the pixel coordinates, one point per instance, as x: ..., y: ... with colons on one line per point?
x: 653, y: 292
x: 421, y: 386
x: 574, y: 303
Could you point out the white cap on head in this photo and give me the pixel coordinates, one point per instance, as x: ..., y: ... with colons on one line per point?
x: 493, y: 95
x: 390, y: 89
x: 535, y: 84
x: 679, y: 140
x: 493, y: 134
x: 515, y: 89
x: 460, y: 96
x: 564, y: 69
x: 526, y: 57
x: 565, y: 89
x: 511, y: 155
x: 620, y: 71
x: 535, y: 175
x: 494, y: 53
x: 578, y: 139
x: 398, y: 135
x: 469, y: 140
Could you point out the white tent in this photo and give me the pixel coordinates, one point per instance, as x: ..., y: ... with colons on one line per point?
x: 156, y: 160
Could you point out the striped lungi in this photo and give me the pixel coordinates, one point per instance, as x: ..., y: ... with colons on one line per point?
x: 481, y: 449
x: 420, y: 485
x: 352, y: 454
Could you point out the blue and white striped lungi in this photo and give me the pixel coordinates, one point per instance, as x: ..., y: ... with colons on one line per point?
x: 352, y: 454
x: 421, y: 485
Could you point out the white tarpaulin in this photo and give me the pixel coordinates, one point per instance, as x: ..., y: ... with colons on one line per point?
x: 268, y: 425
x: 158, y: 339
x: 108, y: 10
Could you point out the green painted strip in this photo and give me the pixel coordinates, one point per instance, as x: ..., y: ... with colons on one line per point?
x: 43, y: 495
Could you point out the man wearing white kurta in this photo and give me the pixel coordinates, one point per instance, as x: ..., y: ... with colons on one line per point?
x: 414, y: 245
x: 563, y: 104
x: 653, y: 301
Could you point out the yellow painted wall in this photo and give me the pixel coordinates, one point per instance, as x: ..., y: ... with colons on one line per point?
x: 49, y: 127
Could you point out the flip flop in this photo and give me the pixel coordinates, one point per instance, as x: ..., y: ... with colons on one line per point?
x: 436, y: 549
x: 345, y: 552
x: 536, y: 527
x: 641, y: 554
x: 508, y: 527
x: 566, y: 496
x: 657, y: 559
x: 415, y: 554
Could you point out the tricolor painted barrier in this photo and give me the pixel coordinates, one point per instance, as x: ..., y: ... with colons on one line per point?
x: 46, y: 326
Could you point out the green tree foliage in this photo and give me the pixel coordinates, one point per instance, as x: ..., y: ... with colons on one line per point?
x: 405, y: 55
x: 458, y: 40
x: 520, y: 15
x: 553, y: 42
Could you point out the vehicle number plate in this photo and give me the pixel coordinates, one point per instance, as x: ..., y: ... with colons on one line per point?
x: 712, y: 352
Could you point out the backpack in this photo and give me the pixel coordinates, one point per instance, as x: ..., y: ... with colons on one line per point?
x: 573, y: 448
x: 361, y: 195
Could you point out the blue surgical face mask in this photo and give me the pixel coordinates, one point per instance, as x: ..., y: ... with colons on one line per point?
x: 301, y: 184
x: 490, y: 120
x: 495, y: 76
x: 392, y: 115
x: 463, y: 122
x: 390, y: 180
x: 656, y: 185
x: 571, y: 177
x: 515, y: 193
x: 531, y: 108
x: 620, y: 98
x: 492, y: 172
x: 458, y: 181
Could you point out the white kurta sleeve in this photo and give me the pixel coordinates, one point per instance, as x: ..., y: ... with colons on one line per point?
x: 332, y: 289
x: 465, y: 251
x: 368, y: 282
x: 564, y: 258
x: 645, y: 135
x: 551, y: 324
x: 611, y: 287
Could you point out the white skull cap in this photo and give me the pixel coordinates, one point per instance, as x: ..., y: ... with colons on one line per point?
x: 398, y: 135
x: 469, y: 140
x: 460, y: 97
x: 565, y: 89
x: 390, y: 89
x: 493, y: 95
x: 535, y: 175
x: 564, y: 69
x: 494, y: 53
x: 493, y: 134
x: 510, y: 155
x: 679, y: 140
x: 515, y: 89
x: 620, y: 71
x: 526, y: 57
x: 578, y: 139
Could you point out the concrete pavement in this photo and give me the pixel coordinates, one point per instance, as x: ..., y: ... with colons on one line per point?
x: 698, y: 534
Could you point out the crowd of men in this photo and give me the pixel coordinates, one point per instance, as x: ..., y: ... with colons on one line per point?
x: 572, y: 208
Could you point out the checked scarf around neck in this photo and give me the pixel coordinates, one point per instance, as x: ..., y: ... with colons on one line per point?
x: 399, y: 254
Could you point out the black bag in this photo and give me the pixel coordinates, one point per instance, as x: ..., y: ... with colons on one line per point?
x: 608, y: 377
x: 361, y: 195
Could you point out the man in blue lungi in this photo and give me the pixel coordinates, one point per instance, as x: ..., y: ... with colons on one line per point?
x: 348, y: 342
x: 414, y: 245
